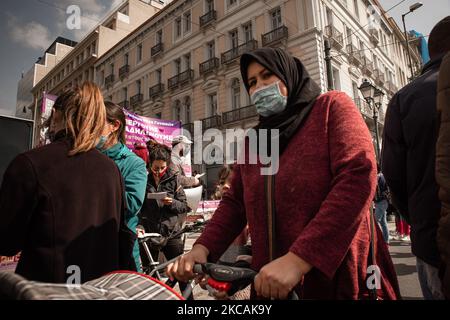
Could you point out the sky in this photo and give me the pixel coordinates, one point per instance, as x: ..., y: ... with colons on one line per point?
x: 28, y: 27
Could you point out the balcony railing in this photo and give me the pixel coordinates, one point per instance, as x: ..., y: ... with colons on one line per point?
x: 374, y: 37
x: 364, y: 107
x: 335, y: 37
x: 392, y: 88
x: 367, y: 66
x: 157, y: 49
x: 124, y: 71
x: 379, y: 77
x: 209, y: 65
x: 239, y: 114
x: 230, y: 55
x: 156, y: 90
x: 212, y: 122
x: 354, y: 55
x: 180, y: 79
x: 274, y: 36
x: 136, y: 100
x: 189, y: 127
x: 109, y: 80
x: 207, y: 18
x: 124, y: 104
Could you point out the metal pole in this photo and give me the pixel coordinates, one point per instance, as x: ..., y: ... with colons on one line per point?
x: 407, y: 46
x: 375, y: 120
x: 328, y: 64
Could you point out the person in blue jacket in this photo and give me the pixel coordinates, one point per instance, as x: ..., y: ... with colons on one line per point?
x: 132, y: 168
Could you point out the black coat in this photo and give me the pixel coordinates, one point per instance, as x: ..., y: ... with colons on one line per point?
x: 155, y: 217
x: 408, y: 160
x: 62, y: 211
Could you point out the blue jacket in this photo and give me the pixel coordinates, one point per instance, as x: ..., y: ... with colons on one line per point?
x: 134, y: 174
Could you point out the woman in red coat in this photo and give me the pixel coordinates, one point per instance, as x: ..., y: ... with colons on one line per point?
x: 323, y: 189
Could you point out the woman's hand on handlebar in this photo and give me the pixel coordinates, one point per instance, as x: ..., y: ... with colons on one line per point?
x: 181, y: 269
x: 278, y: 278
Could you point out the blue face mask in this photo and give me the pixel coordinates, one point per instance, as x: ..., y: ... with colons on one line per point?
x: 269, y: 100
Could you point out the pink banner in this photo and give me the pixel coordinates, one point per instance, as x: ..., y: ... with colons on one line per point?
x: 142, y: 129
x: 9, y: 263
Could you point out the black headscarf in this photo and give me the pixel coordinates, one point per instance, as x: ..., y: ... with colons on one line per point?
x: 302, y: 90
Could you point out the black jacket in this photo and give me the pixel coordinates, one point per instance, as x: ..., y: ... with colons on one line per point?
x: 408, y: 160
x: 156, y: 217
x: 62, y: 211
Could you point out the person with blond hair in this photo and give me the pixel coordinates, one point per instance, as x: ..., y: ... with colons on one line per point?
x: 62, y: 204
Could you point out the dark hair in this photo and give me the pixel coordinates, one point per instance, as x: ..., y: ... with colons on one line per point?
x: 115, y: 113
x: 439, y: 41
x: 225, y: 173
x: 159, y: 152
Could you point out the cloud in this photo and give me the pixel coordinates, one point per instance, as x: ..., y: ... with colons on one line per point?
x: 33, y: 34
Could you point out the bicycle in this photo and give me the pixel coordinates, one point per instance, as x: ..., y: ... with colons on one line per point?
x: 155, y: 242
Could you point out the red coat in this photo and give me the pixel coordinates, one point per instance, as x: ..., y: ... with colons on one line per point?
x: 324, y: 186
x: 142, y: 153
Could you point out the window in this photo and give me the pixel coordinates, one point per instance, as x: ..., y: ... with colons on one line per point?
x: 336, y: 79
x: 177, y: 110
x: 158, y: 115
x: 356, y: 7
x: 349, y: 35
x: 329, y: 16
x: 361, y: 45
x: 231, y: 2
x: 210, y: 50
x: 275, y: 17
x: 187, y: 105
x: 235, y: 94
x: 234, y: 39
x: 178, y: 28
x: 177, y: 64
x: 111, y: 68
x: 187, y: 22
x: 355, y: 90
x: 159, y: 37
x: 138, y: 86
x: 139, y: 53
x: 247, y: 29
x: 158, y: 75
x: 187, y: 61
x: 212, y: 105
x: 125, y: 59
x: 125, y: 94
x: 209, y: 5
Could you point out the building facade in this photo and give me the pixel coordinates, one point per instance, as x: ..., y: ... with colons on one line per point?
x: 52, y: 56
x: 183, y: 63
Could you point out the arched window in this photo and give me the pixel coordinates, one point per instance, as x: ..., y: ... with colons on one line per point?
x: 235, y: 94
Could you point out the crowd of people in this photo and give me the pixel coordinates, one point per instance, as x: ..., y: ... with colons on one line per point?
x: 81, y: 199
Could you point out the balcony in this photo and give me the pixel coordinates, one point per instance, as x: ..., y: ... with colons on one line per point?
x: 378, y: 75
x: 209, y: 65
x: 207, y: 18
x: 157, y: 49
x: 391, y: 87
x: 124, y: 71
x: 189, y: 127
x: 367, y: 66
x: 364, y: 107
x: 156, y: 90
x: 212, y: 122
x: 136, y: 100
x: 239, y: 114
x: 374, y: 36
x: 275, y: 36
x: 335, y: 37
x: 233, y: 54
x: 109, y: 80
x: 354, y: 55
x: 180, y: 79
x: 124, y: 104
